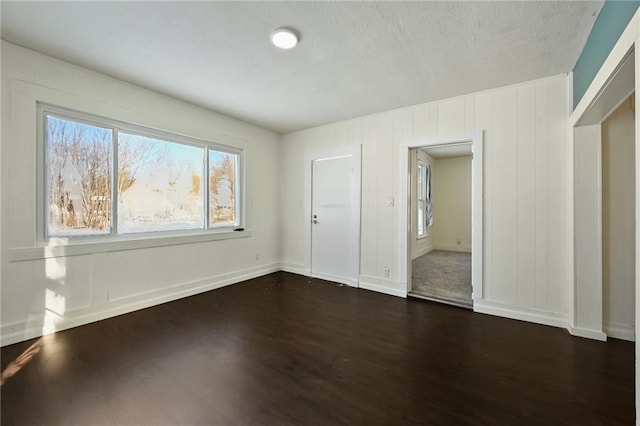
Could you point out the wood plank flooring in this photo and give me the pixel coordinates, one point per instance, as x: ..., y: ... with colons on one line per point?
x: 287, y: 349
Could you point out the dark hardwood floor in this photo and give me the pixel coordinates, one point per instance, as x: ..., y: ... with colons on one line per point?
x: 286, y: 349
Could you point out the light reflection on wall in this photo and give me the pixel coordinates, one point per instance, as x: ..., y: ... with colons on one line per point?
x: 56, y: 272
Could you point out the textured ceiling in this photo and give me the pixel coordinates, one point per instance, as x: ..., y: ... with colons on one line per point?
x: 354, y: 58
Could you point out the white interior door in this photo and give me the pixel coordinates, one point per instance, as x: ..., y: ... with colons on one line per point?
x: 335, y: 219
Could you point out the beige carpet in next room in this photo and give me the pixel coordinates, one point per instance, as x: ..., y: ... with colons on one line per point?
x: 444, y: 275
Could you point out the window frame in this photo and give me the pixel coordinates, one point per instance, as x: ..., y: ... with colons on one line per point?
x: 45, y: 110
x: 421, y: 203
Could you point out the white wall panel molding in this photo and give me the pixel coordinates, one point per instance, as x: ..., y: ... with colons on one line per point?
x: 40, y: 324
x: 122, y: 244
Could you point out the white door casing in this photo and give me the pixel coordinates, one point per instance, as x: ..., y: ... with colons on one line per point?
x: 477, y: 224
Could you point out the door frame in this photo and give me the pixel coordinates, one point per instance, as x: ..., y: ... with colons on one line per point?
x: 356, y: 152
x: 617, y: 78
x: 476, y: 140
x: 611, y: 85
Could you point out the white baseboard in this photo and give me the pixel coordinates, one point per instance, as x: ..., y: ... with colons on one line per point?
x: 421, y: 252
x: 33, y: 327
x: 587, y: 333
x: 336, y: 279
x: 383, y: 285
x: 299, y: 269
x: 519, y: 313
x: 295, y: 268
x: 620, y: 331
x: 465, y: 249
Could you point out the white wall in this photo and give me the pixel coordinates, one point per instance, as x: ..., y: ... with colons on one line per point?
x: 526, y: 262
x: 452, y: 203
x: 107, y: 280
x: 618, y: 222
x: 419, y: 245
x: 527, y: 258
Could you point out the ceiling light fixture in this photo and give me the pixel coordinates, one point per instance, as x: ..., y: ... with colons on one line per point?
x: 284, y: 38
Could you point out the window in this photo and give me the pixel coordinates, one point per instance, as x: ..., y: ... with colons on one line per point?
x: 109, y: 178
x: 425, y: 216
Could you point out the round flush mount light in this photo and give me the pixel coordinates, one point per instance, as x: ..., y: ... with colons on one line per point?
x: 284, y: 38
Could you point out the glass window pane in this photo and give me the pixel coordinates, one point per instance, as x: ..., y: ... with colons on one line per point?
x: 222, y: 188
x: 420, y: 197
x: 159, y: 185
x: 78, y: 178
x: 420, y: 180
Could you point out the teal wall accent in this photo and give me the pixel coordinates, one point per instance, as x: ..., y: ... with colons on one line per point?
x: 612, y: 20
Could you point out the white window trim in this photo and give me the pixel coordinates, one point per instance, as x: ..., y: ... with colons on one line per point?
x: 425, y: 228
x: 55, y: 246
x: 62, y: 247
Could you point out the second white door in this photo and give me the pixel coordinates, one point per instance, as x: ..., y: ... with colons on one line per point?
x: 334, y: 215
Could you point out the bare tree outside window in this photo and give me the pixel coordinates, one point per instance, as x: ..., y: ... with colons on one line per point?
x: 222, y: 188
x: 159, y: 184
x: 79, y: 167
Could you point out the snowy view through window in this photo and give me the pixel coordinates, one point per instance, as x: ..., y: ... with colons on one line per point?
x: 160, y: 184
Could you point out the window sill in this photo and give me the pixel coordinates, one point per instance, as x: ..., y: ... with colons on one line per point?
x: 422, y: 237
x: 62, y: 247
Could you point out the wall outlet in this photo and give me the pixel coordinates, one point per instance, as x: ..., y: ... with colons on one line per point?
x: 257, y: 256
x: 386, y: 271
x: 390, y: 201
x: 459, y: 240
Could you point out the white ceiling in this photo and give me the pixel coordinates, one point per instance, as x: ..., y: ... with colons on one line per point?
x: 354, y: 58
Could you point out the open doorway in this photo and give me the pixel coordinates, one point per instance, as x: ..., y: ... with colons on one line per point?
x: 441, y: 223
x: 605, y: 207
x: 618, y: 222
x: 617, y: 79
x: 470, y: 147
